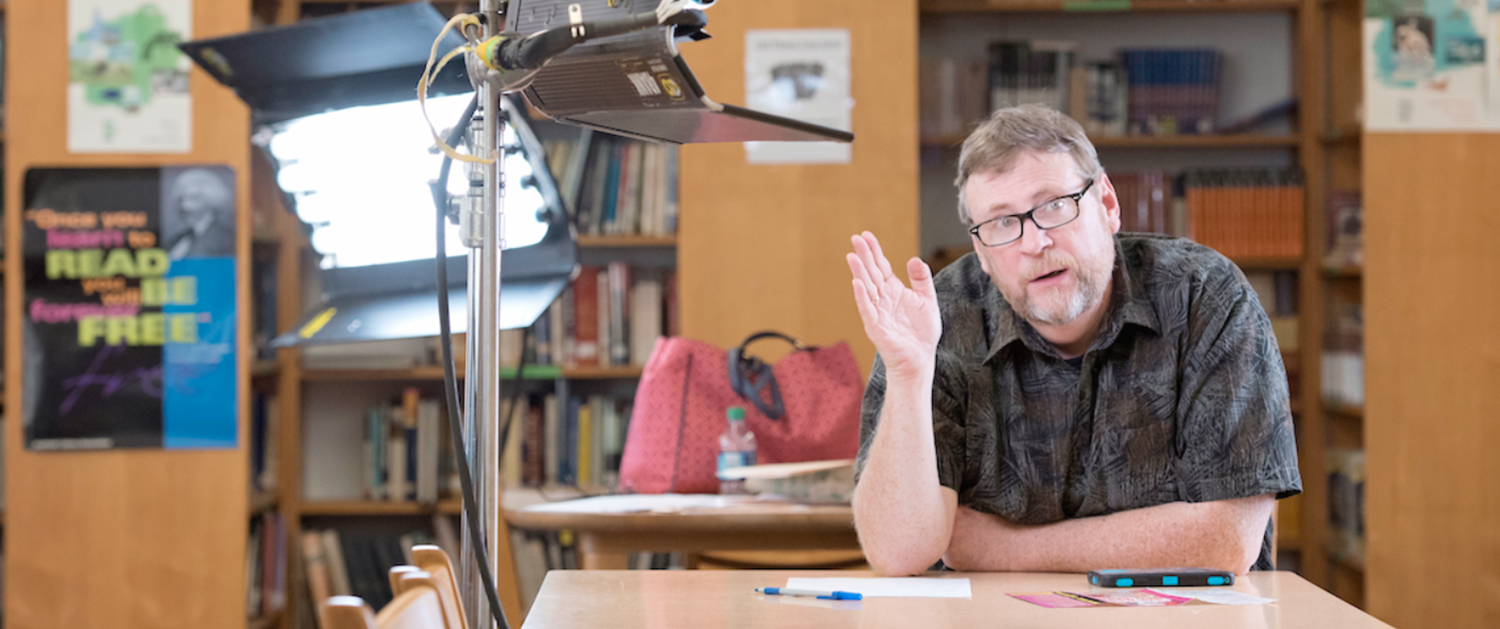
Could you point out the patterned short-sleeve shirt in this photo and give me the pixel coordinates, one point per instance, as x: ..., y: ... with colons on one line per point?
x: 1182, y: 397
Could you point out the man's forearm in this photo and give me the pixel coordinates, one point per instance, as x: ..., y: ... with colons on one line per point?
x: 904, y: 517
x: 1224, y: 534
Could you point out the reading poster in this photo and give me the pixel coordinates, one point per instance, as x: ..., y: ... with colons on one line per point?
x: 129, y: 314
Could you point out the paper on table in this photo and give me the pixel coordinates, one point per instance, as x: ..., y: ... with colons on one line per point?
x: 631, y: 503
x: 1217, y: 596
x: 914, y: 587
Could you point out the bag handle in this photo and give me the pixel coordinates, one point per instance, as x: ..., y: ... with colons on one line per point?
x: 749, y: 376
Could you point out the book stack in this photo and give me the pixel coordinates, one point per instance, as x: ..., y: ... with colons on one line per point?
x: 576, y: 441
x: 611, y: 316
x: 1033, y: 72
x: 953, y: 96
x: 1145, y: 201
x: 1345, y: 230
x: 1172, y: 92
x: 265, y: 566
x: 1344, y: 357
x: 265, y: 412
x: 1346, y: 504
x: 1246, y: 213
x: 407, y: 452
x: 617, y: 186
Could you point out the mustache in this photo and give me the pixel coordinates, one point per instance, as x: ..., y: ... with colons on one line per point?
x: 1051, y: 261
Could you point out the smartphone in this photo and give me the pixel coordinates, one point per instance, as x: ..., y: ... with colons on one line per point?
x: 1160, y: 577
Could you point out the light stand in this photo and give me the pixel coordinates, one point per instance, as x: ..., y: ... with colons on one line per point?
x: 480, y: 223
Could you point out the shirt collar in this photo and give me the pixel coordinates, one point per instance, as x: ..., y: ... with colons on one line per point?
x: 1128, y: 305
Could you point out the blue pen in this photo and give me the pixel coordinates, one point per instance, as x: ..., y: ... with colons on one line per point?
x: 823, y: 594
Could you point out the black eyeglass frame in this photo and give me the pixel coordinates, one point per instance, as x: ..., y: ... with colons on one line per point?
x: 1076, y: 197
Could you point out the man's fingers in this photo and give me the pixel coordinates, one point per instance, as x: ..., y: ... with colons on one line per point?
x: 871, y: 275
x: 865, y: 247
x: 861, y: 271
x: 921, y: 278
x: 867, y: 311
x: 885, y: 265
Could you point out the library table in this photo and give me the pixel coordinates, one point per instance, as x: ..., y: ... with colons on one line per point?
x: 668, y: 599
x: 607, y: 533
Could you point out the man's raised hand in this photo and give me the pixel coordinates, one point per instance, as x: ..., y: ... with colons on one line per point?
x: 902, y: 322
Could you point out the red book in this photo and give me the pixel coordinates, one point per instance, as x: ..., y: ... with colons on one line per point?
x: 586, y: 317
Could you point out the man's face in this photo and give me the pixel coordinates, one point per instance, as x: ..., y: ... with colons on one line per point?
x: 1049, y: 277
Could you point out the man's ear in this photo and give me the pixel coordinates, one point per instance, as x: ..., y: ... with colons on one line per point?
x: 1111, y: 203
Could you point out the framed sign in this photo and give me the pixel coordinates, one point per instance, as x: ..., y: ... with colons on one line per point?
x: 129, y: 313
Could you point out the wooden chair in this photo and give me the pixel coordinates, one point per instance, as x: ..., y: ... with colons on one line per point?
x: 418, y: 606
x: 435, y: 562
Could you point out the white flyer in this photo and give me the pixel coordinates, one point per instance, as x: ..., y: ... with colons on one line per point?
x: 127, y: 81
x: 801, y: 74
x: 1426, y: 66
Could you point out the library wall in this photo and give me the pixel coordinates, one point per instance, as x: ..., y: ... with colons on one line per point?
x: 1257, y: 72
x: 1432, y: 319
x: 128, y: 539
x: 762, y: 247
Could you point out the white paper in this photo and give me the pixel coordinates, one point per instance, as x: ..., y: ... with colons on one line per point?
x: 127, y: 81
x: 801, y: 74
x: 636, y: 503
x: 1429, y: 70
x: 1222, y: 596
x: 906, y: 587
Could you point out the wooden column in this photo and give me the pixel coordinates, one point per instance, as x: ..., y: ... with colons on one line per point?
x: 1432, y: 379
x: 122, y: 538
x: 762, y: 247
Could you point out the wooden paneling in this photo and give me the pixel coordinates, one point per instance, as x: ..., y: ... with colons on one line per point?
x: 127, y: 538
x: 762, y: 247
x: 1432, y: 379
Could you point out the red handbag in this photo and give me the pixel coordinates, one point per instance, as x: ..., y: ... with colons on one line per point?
x: 804, y: 408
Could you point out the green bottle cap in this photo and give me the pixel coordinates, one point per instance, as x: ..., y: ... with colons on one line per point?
x: 736, y: 413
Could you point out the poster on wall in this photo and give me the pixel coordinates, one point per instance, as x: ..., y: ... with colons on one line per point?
x: 129, y: 314
x: 1430, y: 65
x: 802, y: 74
x: 127, y: 81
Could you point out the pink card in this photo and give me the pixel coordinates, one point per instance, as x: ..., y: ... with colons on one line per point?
x: 1055, y: 599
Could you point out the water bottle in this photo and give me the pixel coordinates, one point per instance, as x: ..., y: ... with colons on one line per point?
x: 736, y: 449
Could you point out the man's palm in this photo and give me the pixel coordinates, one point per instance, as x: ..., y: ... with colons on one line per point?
x: 903, y: 323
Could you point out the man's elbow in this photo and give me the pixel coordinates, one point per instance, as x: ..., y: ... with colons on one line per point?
x: 898, y: 566
x: 1232, y: 555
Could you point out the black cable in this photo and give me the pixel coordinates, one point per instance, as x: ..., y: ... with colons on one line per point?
x: 450, y: 380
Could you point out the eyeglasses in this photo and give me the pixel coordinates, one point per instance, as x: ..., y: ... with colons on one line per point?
x: 1003, y: 230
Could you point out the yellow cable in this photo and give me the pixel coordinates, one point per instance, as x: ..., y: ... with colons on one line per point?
x: 460, y: 19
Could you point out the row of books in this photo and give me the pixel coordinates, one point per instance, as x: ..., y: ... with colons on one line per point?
x: 1344, y: 356
x: 1142, y: 91
x: 617, y: 186
x: 264, y: 420
x: 610, y: 316
x: 407, y: 452
x: 1345, y: 230
x: 1277, y: 291
x: 357, y: 561
x: 1246, y: 213
x: 573, y: 440
x: 1346, y: 504
x: 1243, y: 213
x: 265, y: 566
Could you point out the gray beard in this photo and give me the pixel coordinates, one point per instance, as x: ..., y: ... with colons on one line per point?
x: 1091, y: 284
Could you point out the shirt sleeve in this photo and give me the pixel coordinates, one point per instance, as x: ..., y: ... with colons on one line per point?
x: 1235, y: 437
x: 947, y: 417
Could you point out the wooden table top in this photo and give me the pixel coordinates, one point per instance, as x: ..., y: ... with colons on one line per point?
x: 733, y: 515
x: 667, y: 599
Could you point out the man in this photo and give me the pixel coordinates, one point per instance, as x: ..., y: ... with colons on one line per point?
x: 198, y: 215
x: 1065, y: 398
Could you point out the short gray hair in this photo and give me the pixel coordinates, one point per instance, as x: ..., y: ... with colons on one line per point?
x: 1010, y: 131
